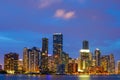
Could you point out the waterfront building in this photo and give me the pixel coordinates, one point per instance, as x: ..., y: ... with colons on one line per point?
x: 51, y: 64
x: 0, y: 66
x: 11, y: 62
x: 44, y: 56
x: 57, y: 48
x: 97, y: 56
x: 31, y: 59
x: 105, y: 63
x: 112, y: 64
x: 118, y: 67
x: 72, y: 66
x: 20, y: 66
x: 85, y: 56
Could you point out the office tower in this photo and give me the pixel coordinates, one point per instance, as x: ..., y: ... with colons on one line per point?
x: 57, y: 48
x: 72, y: 66
x: 65, y: 60
x: 112, y: 64
x: 0, y: 66
x: 31, y: 60
x: 11, y: 62
x: 118, y: 67
x: 105, y: 63
x: 93, y: 61
x: 45, y: 45
x: 57, y: 44
x: 97, y: 57
x: 85, y: 44
x: 44, y: 56
x: 20, y: 66
x: 51, y: 64
x: 85, y: 56
x: 26, y: 60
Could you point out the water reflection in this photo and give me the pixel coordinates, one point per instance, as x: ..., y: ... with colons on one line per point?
x: 84, y: 77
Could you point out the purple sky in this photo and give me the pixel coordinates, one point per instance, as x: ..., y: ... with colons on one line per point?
x: 23, y: 23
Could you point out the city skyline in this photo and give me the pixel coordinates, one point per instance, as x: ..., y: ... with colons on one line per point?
x: 23, y: 23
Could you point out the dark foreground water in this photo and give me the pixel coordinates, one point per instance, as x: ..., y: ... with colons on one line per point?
x: 58, y: 77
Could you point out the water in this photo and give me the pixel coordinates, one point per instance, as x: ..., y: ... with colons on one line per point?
x: 58, y: 77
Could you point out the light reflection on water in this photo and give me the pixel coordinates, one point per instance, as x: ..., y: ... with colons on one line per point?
x: 84, y: 77
x: 58, y: 77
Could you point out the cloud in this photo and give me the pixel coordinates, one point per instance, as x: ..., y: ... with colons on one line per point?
x: 46, y: 3
x: 7, y: 39
x: 60, y: 13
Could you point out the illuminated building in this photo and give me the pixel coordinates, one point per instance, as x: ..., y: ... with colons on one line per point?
x: 118, y: 67
x: 97, y: 57
x: 112, y: 64
x: 20, y: 65
x: 105, y: 63
x: 0, y: 66
x: 65, y: 60
x: 31, y: 60
x: 72, y: 66
x: 85, y: 44
x: 51, y: 64
x: 44, y: 56
x: 11, y: 62
x: 57, y: 48
x: 85, y: 56
x: 93, y: 61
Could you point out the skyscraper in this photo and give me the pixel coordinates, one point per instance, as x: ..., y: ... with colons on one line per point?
x: 112, y: 64
x: 85, y: 56
x: 57, y: 43
x: 97, y: 56
x: 31, y: 60
x: 20, y: 66
x: 105, y: 63
x: 118, y: 67
x: 11, y: 62
x: 85, y: 44
x: 57, y: 48
x: 44, y: 56
x: 0, y: 66
x: 45, y: 45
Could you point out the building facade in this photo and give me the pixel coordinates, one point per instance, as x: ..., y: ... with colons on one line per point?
x: 105, y: 63
x: 11, y: 62
x: 112, y: 64
x: 97, y: 57
x: 57, y: 48
x: 31, y: 59
x: 118, y: 67
x: 44, y: 56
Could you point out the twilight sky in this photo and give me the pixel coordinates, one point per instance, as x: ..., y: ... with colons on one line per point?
x: 23, y: 23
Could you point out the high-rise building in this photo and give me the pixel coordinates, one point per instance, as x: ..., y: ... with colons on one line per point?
x: 51, y: 64
x: 57, y: 48
x: 105, y: 63
x: 97, y: 56
x: 65, y: 60
x: 85, y: 56
x: 118, y: 67
x: 57, y: 43
x: 44, y: 56
x: 85, y: 44
x: 20, y: 66
x: 31, y: 60
x: 112, y: 64
x: 72, y: 66
x: 11, y: 62
x: 0, y: 66
x: 45, y: 45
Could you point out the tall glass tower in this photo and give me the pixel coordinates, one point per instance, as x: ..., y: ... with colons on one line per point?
x: 57, y: 43
x: 57, y: 49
